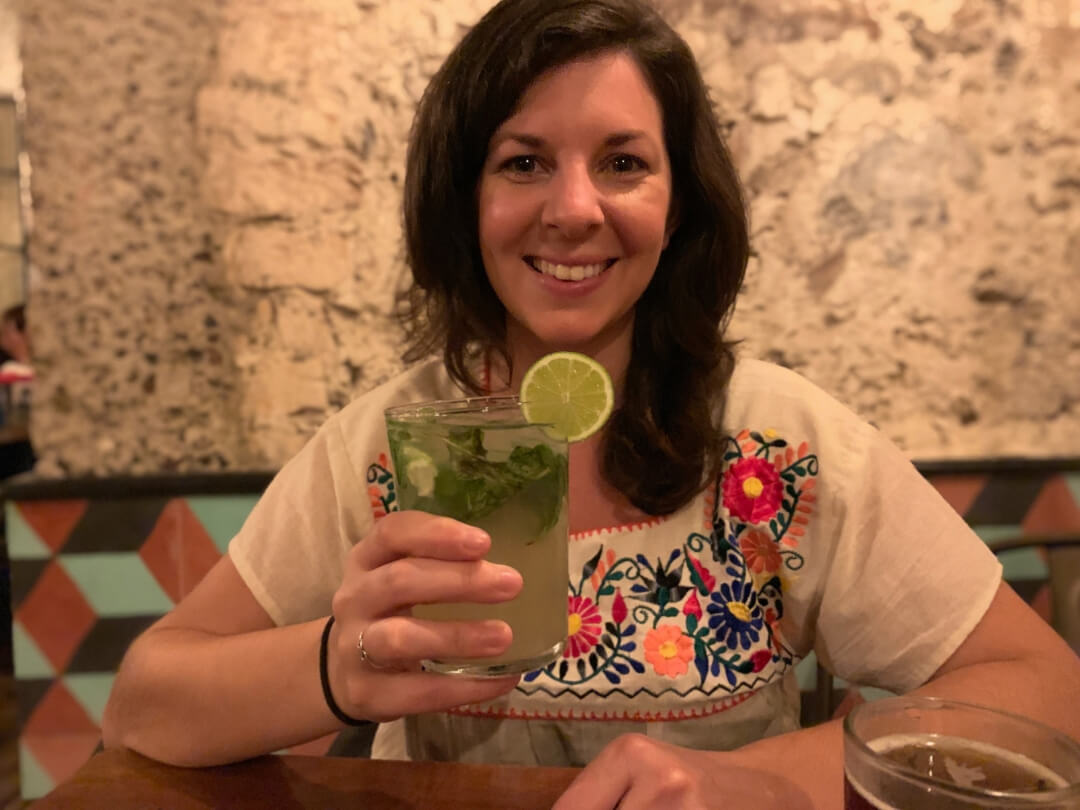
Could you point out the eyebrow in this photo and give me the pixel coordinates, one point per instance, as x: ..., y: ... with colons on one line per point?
x: 535, y: 142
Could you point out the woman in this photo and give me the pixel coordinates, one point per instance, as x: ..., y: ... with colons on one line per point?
x: 568, y: 189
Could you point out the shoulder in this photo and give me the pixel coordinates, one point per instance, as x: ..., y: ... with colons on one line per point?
x: 757, y: 385
x: 773, y: 412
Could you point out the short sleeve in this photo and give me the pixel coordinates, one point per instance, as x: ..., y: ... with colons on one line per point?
x: 908, y: 580
x: 291, y: 549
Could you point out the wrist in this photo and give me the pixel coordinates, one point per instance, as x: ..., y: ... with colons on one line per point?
x: 330, y: 676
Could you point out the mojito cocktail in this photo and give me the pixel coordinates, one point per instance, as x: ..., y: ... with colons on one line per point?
x: 479, y: 461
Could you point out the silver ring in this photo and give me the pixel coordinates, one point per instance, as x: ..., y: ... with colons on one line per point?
x: 365, y: 658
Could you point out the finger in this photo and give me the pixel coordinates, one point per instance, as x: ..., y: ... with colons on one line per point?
x: 418, y: 581
x: 601, y: 786
x: 418, y: 534
x: 672, y: 794
x: 404, y: 693
x: 402, y: 642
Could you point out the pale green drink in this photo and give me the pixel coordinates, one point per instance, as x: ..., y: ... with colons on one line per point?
x: 479, y: 461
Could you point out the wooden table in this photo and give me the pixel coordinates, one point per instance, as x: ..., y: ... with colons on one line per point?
x: 119, y: 780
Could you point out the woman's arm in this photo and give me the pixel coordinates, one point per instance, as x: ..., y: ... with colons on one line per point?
x: 215, y: 681
x: 1012, y: 660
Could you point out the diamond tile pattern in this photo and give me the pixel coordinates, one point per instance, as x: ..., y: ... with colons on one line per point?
x: 56, y: 615
x: 89, y: 576
x: 52, y: 521
x: 178, y: 551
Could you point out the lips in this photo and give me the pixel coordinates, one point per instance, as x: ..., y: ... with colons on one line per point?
x: 568, y: 272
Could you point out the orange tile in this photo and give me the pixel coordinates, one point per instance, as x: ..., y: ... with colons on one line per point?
x: 61, y: 754
x: 960, y: 491
x: 1054, y: 510
x: 161, y: 550
x: 56, y: 615
x: 52, y: 521
x: 178, y: 552
x: 198, y: 553
x: 58, y: 712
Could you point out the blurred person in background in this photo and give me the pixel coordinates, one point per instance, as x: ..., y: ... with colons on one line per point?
x: 16, y: 377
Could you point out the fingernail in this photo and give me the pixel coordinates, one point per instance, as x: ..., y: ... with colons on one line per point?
x: 475, y: 542
x: 507, y: 577
x: 496, y: 633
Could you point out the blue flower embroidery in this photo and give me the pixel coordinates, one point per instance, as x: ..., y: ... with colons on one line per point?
x: 735, y: 615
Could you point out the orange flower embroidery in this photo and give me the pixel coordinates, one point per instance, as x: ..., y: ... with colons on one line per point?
x: 760, y: 552
x: 669, y: 650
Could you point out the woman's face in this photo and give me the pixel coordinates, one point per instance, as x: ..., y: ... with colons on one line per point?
x: 573, y: 205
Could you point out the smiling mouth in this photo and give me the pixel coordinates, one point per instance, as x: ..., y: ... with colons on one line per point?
x: 568, y: 272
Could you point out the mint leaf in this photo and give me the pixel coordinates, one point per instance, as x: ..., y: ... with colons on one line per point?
x: 468, y: 486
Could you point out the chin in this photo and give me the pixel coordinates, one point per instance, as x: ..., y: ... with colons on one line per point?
x: 570, y: 340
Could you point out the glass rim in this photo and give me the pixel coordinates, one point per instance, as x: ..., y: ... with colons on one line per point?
x: 455, y: 407
x: 1070, y: 791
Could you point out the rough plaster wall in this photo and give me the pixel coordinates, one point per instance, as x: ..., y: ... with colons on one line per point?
x: 913, y: 167
x: 128, y: 307
x: 304, y: 125
x: 915, y: 176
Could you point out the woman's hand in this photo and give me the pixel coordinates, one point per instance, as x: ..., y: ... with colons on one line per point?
x: 411, y: 558
x: 635, y: 772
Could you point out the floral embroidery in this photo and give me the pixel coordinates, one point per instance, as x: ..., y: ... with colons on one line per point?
x: 752, y: 490
x: 584, y: 627
x: 381, y: 487
x: 735, y: 616
x: 716, y: 601
x: 669, y: 650
x: 760, y: 552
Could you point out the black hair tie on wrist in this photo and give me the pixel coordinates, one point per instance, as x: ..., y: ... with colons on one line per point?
x: 324, y: 678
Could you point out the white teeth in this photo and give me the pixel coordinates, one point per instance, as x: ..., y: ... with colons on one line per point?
x: 564, y: 272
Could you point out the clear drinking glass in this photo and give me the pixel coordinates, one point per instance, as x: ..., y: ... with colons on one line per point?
x: 480, y: 461
x: 935, y: 754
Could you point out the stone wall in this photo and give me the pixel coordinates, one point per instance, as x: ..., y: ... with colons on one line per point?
x: 130, y: 312
x: 217, y: 191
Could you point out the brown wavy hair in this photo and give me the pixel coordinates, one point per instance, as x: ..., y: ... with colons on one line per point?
x: 664, y: 443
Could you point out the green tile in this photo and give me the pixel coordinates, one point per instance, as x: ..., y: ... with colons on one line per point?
x: 1072, y: 481
x: 116, y: 584
x: 222, y: 515
x: 992, y: 532
x: 91, y: 689
x: 30, y: 662
x: 34, y: 782
x: 1023, y: 563
x: 23, y: 542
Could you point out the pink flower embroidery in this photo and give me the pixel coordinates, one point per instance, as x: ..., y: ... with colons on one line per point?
x: 760, y: 659
x: 760, y: 552
x: 703, y: 572
x: 692, y: 606
x: 583, y: 627
x: 669, y: 650
x: 752, y: 490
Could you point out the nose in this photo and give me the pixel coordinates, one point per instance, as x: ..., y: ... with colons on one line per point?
x: 573, y: 205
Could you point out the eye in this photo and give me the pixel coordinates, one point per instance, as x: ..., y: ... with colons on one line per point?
x: 624, y: 164
x: 521, y: 164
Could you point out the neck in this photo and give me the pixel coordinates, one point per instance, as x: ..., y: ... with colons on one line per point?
x: 611, y: 351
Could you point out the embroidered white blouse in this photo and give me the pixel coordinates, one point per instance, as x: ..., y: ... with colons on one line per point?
x: 819, y: 535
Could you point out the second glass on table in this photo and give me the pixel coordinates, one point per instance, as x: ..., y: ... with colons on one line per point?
x: 934, y: 754
x: 480, y: 461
